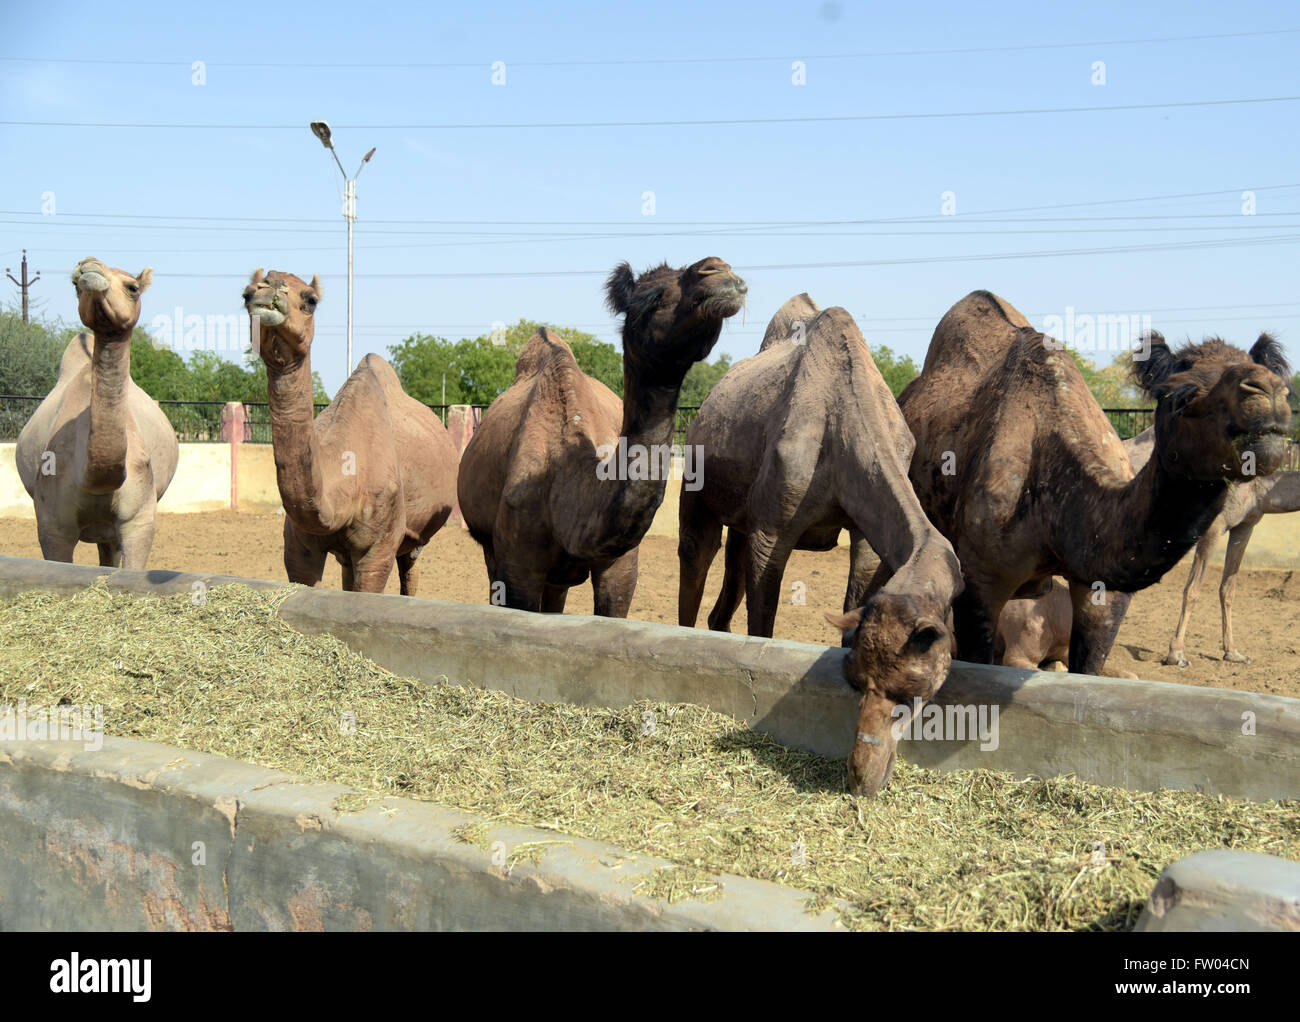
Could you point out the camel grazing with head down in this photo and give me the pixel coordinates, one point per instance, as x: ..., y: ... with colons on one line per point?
x: 98, y: 454
x: 1018, y: 466
x: 801, y: 441
x: 372, y: 478
x: 542, y: 482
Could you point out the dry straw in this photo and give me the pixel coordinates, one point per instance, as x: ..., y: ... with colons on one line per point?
x: 971, y: 849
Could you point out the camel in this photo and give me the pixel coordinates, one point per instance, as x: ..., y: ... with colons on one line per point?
x: 561, y: 480
x: 372, y: 478
x: 1247, y: 503
x: 1034, y: 632
x: 1018, y: 466
x: 804, y: 440
x: 98, y: 454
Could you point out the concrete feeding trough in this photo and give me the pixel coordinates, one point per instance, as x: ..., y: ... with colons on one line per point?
x: 1137, y: 735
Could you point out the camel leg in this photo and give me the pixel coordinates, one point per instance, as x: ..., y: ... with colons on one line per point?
x: 1238, y: 538
x: 975, y: 622
x: 136, y: 540
x: 1190, y: 592
x: 733, y: 581
x: 863, y: 568
x: 764, y: 569
x: 370, y: 572
x: 615, y: 585
x: 1094, y: 627
x: 110, y: 555
x: 408, y: 572
x: 302, y: 564
x: 553, y: 599
x: 55, y: 547
x: 699, y: 536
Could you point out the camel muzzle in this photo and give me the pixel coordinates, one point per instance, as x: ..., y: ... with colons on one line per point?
x: 90, y: 281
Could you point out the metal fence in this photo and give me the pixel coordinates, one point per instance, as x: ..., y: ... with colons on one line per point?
x: 200, y: 421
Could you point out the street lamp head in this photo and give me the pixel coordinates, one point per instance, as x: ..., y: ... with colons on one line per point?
x: 321, y: 130
x: 366, y: 158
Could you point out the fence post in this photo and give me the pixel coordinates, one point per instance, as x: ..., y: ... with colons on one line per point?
x: 461, y: 421
x: 234, y: 429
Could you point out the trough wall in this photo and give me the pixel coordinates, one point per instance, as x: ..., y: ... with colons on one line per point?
x: 139, y: 836
x: 1140, y: 735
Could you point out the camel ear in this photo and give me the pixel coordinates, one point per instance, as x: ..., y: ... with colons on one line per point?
x: 1150, y: 372
x: 619, y: 288
x: 315, y: 285
x: 927, y: 632
x: 256, y: 278
x: 1268, y: 353
x: 846, y: 623
x: 144, y: 278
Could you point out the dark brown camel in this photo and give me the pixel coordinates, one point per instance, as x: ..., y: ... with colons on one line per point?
x: 561, y: 479
x: 1018, y: 466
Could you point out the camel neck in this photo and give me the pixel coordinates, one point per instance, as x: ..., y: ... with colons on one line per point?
x: 649, y: 411
x: 1132, y: 535
x: 298, y: 460
x: 110, y: 373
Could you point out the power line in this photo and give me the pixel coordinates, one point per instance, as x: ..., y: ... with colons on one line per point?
x: 710, y: 122
x: 774, y: 223
x: 634, y: 61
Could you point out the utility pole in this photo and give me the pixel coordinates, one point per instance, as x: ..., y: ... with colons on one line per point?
x: 23, y: 284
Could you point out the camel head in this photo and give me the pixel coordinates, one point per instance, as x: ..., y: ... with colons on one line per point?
x: 108, y: 300
x: 282, y: 316
x: 898, y: 652
x: 1221, y: 412
x: 672, y: 318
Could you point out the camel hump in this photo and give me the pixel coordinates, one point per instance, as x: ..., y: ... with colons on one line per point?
x: 379, y: 367
x: 799, y: 309
x: 986, y: 303
x: 545, y: 352
x: 77, y: 354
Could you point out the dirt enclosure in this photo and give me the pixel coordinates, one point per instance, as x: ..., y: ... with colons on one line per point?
x: 1267, y: 608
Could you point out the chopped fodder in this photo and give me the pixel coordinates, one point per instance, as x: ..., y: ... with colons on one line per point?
x: 971, y: 849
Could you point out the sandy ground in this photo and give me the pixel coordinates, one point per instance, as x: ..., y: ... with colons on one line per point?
x: 1267, y: 609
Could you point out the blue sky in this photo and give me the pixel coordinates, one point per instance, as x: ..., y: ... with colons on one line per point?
x: 234, y: 180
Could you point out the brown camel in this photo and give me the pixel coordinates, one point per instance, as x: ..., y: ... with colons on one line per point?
x: 373, y: 478
x: 98, y: 454
x: 1018, y: 466
x: 1035, y: 632
x: 561, y: 479
x: 803, y: 440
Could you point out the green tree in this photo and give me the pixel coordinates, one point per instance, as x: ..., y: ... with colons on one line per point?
x: 29, y: 354
x: 898, y: 370
x: 702, y: 378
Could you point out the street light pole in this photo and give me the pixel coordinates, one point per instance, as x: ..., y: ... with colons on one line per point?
x: 321, y: 130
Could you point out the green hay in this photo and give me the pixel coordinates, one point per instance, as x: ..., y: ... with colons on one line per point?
x: 971, y: 849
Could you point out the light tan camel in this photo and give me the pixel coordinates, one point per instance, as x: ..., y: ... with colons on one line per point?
x: 1018, y: 466
x: 98, y: 454
x: 1247, y: 504
x: 372, y: 478
x: 561, y: 479
x: 801, y: 441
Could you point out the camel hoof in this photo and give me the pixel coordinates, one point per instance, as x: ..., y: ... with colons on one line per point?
x: 1176, y: 660
x: 1232, y: 656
